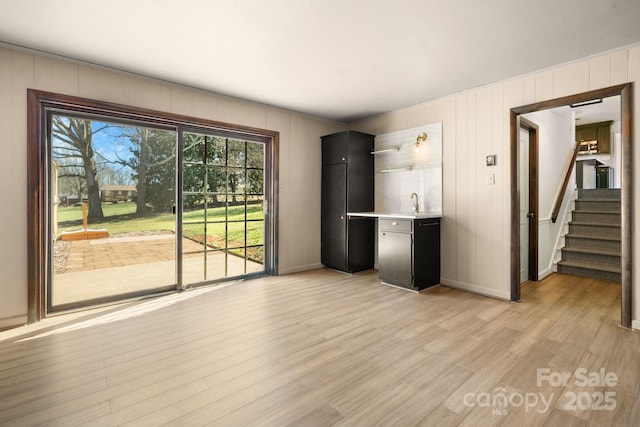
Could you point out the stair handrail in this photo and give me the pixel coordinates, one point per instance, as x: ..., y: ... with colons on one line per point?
x: 571, y: 161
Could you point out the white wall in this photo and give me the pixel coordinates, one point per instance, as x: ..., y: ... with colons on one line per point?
x: 556, y: 137
x: 300, y: 166
x: 476, y: 223
x: 394, y: 189
x: 556, y: 143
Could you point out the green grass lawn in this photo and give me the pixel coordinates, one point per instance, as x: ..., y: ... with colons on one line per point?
x: 120, y: 218
x: 74, y: 213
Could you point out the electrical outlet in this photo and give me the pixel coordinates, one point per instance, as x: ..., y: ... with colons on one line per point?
x: 492, y: 179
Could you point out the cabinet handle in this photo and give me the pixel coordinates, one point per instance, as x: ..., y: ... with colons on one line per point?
x: 341, y: 217
x: 428, y: 225
x: 343, y: 159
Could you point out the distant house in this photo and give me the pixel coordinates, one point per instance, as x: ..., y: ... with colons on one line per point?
x: 117, y: 193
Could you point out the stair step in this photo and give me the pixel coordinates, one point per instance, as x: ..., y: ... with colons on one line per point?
x: 604, y: 205
x: 590, y: 270
x: 594, y: 229
x: 594, y: 251
x: 598, y: 217
x: 585, y: 241
x: 592, y: 256
x: 592, y: 266
x: 599, y: 193
x: 593, y: 236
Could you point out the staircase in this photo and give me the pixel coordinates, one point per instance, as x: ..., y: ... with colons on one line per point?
x: 592, y: 246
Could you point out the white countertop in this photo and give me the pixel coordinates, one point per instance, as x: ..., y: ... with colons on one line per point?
x: 410, y: 215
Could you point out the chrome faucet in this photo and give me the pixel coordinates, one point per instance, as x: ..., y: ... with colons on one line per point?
x: 415, y: 203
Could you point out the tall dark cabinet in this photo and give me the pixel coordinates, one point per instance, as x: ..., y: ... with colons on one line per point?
x: 347, y: 186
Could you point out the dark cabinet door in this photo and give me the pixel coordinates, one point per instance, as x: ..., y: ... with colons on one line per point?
x: 604, y: 139
x: 334, y: 148
x: 588, y: 134
x: 334, y: 220
x: 361, y: 238
x: 426, y: 253
x: 360, y: 190
x: 395, y: 258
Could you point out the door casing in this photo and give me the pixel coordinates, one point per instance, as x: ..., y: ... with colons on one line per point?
x: 625, y: 91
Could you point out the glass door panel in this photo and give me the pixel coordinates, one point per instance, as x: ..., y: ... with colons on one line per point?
x: 112, y: 193
x: 223, y: 223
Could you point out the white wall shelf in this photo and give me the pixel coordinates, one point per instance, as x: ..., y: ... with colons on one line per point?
x: 386, y: 150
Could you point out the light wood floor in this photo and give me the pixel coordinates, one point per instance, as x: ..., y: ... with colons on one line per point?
x: 322, y: 348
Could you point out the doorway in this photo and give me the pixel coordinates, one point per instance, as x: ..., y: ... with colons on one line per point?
x: 126, y: 202
x: 625, y: 93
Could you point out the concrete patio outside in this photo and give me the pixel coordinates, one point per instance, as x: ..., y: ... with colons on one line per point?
x: 117, y: 265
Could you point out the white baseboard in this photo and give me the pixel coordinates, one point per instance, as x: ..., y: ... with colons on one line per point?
x: 13, y: 321
x: 546, y: 272
x: 480, y: 290
x: 635, y: 324
x: 298, y: 269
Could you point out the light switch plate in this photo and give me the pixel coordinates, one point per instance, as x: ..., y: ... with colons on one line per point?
x: 491, y: 160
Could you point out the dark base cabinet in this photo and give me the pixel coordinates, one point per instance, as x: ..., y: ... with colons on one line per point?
x: 347, y: 186
x: 409, y: 252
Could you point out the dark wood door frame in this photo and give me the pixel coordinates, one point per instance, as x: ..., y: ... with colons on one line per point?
x: 625, y: 91
x: 534, y: 223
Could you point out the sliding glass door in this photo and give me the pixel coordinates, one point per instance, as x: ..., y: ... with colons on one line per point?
x: 126, y: 202
x: 113, y: 189
x: 114, y: 210
x: 223, y: 202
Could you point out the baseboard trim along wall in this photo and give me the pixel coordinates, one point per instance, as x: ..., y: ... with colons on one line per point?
x: 635, y: 324
x: 13, y: 321
x: 475, y: 289
x: 546, y: 272
x: 298, y: 269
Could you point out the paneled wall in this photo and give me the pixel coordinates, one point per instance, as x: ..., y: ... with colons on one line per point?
x: 476, y: 224
x: 475, y: 229
x: 300, y: 167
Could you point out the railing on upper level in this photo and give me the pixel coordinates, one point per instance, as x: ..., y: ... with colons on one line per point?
x: 571, y: 161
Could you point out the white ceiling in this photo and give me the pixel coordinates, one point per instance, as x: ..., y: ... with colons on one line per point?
x: 607, y: 109
x: 340, y: 59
